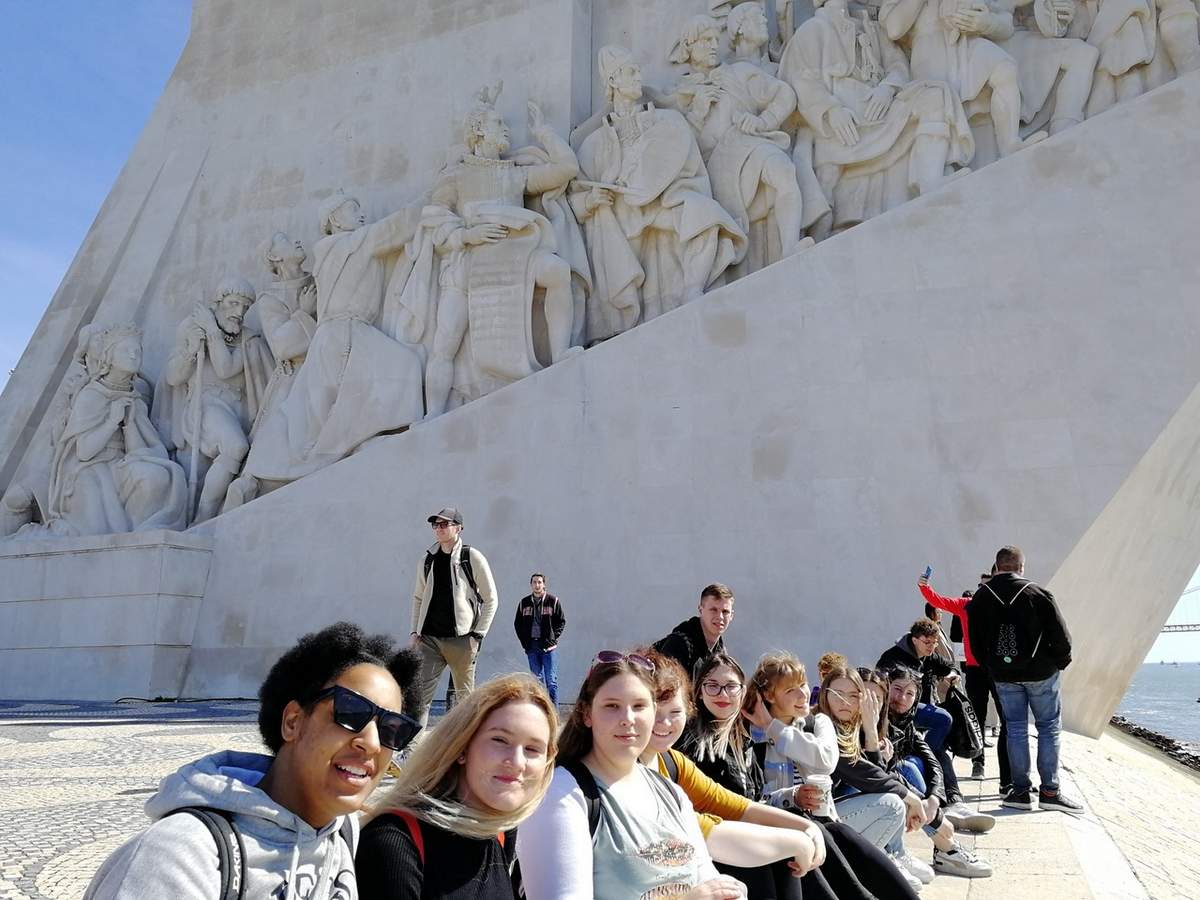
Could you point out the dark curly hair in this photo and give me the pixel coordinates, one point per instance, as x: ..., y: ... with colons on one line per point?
x: 318, y: 659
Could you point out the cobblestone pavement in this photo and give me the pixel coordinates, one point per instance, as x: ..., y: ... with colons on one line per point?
x: 74, y: 776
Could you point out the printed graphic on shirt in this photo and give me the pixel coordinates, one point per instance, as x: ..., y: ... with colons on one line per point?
x: 670, y: 852
x: 344, y: 886
x: 1006, y: 642
x: 677, y: 889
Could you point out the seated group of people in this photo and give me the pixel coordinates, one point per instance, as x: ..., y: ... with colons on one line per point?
x: 661, y: 783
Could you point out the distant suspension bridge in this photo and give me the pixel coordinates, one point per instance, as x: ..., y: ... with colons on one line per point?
x: 1188, y: 611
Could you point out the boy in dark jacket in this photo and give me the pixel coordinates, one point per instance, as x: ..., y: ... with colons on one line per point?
x: 699, y: 636
x: 1019, y: 636
x: 539, y: 625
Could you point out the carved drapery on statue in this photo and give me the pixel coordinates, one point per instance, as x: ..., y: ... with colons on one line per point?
x: 110, y: 471
x: 356, y: 381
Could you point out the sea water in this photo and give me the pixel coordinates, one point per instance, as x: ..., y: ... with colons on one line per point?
x: 1164, y: 698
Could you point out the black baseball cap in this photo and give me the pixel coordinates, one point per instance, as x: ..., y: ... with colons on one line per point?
x: 449, y: 513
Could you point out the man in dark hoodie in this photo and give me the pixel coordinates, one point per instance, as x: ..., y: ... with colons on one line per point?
x: 539, y: 624
x: 1018, y: 635
x: 697, y: 637
x: 329, y: 717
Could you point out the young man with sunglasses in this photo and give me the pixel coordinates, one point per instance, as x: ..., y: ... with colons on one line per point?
x: 330, y: 718
x: 454, y: 602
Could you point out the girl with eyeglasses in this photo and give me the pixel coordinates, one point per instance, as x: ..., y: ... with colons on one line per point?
x: 876, y: 803
x: 446, y: 829
x: 753, y: 834
x: 609, y: 826
x: 330, y: 718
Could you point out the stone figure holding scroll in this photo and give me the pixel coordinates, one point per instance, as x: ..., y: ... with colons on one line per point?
x: 356, y: 382
x: 954, y: 41
x: 480, y: 255
x: 738, y: 111
x: 214, y: 383
x: 110, y: 471
x: 287, y: 313
x: 656, y: 236
x: 879, y: 138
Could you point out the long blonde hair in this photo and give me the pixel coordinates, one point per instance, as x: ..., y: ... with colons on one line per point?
x: 775, y: 669
x: 848, y: 733
x: 428, y: 785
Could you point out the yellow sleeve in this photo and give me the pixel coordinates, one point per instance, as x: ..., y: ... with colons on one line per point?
x: 707, y: 823
x: 706, y: 795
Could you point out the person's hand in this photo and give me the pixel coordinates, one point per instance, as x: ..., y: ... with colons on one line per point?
x: 749, y: 124
x: 841, y: 120
x: 914, y: 812
x: 551, y: 647
x: 720, y: 888
x: 308, y: 298
x: 487, y: 233
x: 971, y: 18
x: 870, y: 717
x: 922, y: 580
x: 818, y: 840
x: 952, y: 678
x: 474, y: 642
x: 886, y: 750
x: 931, y: 808
x: 759, y: 715
x: 880, y: 102
x: 804, y: 860
x: 807, y: 796
x: 598, y: 197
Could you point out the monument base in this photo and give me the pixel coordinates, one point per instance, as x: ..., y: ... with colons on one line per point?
x: 100, y: 617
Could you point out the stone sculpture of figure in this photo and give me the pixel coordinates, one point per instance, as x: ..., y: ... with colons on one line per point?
x: 879, y: 138
x: 286, y: 311
x: 205, y: 412
x: 1142, y: 44
x: 494, y: 254
x: 110, y: 471
x: 724, y: 11
x: 952, y: 41
x: 657, y: 237
x: 1055, y: 72
x: 737, y: 110
x: 356, y: 382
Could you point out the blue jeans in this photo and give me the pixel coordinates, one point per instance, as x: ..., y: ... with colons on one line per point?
x: 543, y: 666
x: 1044, y: 699
x: 879, y: 818
x: 936, y: 723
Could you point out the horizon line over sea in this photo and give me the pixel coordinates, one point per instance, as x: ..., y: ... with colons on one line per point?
x: 1165, y: 697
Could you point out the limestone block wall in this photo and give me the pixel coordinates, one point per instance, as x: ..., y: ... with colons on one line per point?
x: 983, y: 366
x: 100, y: 617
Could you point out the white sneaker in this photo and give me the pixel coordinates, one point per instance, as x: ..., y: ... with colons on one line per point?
x: 913, y: 881
x: 914, y: 867
x: 962, y: 862
x: 963, y: 818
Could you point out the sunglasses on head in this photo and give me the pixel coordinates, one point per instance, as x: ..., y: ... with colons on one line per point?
x: 354, y: 712
x: 613, y: 656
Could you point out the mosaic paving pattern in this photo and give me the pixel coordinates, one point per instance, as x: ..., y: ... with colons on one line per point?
x: 74, y: 776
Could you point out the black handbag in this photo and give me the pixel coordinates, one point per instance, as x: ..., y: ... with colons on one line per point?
x: 966, y: 737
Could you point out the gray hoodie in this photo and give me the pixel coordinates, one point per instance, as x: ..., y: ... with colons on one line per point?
x: 176, y: 857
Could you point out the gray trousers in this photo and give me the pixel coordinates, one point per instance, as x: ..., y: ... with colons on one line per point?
x: 436, y: 653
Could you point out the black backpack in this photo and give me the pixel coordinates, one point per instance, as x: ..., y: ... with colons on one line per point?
x: 591, y: 790
x: 464, y: 560
x: 966, y: 737
x: 1018, y: 632
x: 231, y: 852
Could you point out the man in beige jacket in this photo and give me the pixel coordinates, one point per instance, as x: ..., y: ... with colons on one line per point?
x: 454, y: 602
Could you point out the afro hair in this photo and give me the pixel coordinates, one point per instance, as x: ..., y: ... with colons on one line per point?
x: 319, y: 658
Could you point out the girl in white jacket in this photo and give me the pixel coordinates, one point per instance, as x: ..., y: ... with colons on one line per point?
x: 800, y: 744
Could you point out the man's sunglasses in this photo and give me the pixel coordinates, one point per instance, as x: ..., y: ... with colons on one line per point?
x: 613, y: 656
x: 354, y: 712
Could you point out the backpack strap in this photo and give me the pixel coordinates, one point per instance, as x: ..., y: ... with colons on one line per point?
x: 464, y: 562
x: 669, y: 763
x: 231, y: 852
x: 591, y: 790
x: 414, y: 830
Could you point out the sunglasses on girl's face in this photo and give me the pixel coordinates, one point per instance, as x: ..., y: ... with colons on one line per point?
x: 612, y: 656
x: 354, y: 712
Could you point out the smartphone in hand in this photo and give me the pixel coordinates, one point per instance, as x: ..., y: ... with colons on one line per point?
x: 928, y: 572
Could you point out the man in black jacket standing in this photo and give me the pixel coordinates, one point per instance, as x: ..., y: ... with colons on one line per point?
x: 697, y: 637
x: 1018, y: 635
x: 539, y: 624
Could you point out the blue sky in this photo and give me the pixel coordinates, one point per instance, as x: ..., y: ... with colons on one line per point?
x: 80, y: 79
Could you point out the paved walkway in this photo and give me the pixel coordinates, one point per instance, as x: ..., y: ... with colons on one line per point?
x: 73, y: 778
